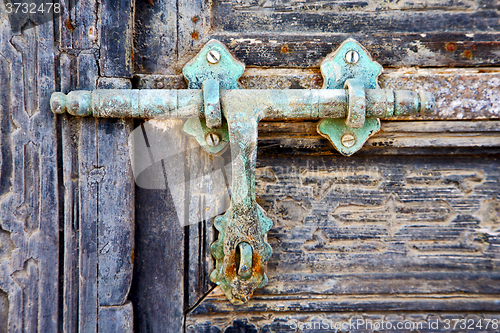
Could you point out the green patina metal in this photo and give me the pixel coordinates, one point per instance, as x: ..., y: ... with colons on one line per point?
x: 197, y: 128
x: 226, y: 71
x: 238, y: 286
x: 351, y: 67
x: 335, y: 68
x: 335, y: 129
x: 244, y: 226
x: 220, y: 116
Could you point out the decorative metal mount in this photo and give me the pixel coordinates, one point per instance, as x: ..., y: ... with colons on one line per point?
x: 350, y: 105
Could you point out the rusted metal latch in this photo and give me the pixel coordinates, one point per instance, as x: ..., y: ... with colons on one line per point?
x: 350, y: 105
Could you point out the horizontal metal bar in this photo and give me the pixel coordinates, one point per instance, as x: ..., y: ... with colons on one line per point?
x: 460, y: 93
x: 188, y: 103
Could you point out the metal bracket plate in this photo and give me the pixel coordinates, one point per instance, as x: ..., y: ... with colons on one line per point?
x: 213, y: 62
x: 352, y: 67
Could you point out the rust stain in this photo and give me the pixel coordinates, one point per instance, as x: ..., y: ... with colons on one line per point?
x: 151, y: 2
x: 285, y: 49
x: 195, y: 35
x: 195, y: 19
x: 69, y: 25
x: 467, y: 54
x: 451, y: 47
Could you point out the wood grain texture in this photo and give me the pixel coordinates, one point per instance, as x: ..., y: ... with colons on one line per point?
x: 116, y: 30
x: 158, y: 285
x: 416, y: 322
x: 300, y: 34
x: 29, y: 203
x: 372, y: 233
x: 98, y: 181
x: 117, y: 319
x: 116, y: 208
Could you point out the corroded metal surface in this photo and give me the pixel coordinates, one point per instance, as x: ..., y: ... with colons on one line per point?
x: 213, y: 68
x: 460, y: 93
x: 242, y: 251
x: 188, y: 103
x: 336, y: 68
x: 211, y: 105
x: 227, y: 70
x: 351, y: 67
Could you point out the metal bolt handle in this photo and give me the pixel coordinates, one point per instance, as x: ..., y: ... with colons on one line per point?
x: 277, y: 104
x: 350, y: 105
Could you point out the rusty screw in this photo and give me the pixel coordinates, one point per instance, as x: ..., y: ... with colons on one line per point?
x: 212, y: 139
x: 213, y: 56
x: 352, y: 57
x: 348, y: 140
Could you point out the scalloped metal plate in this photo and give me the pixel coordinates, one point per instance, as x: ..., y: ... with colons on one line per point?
x: 336, y: 70
x: 226, y: 71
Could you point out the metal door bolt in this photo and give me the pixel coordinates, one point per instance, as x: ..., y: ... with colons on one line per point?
x: 212, y: 139
x: 352, y: 57
x: 348, y: 140
x: 213, y: 56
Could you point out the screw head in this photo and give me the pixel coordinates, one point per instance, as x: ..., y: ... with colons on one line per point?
x: 348, y: 140
x: 212, y: 139
x: 159, y: 85
x: 213, y: 56
x: 352, y: 57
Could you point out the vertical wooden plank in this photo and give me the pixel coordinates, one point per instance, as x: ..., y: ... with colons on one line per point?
x: 158, y: 285
x: 84, y: 26
x: 115, y: 208
x: 117, y: 319
x: 89, y: 177
x: 29, y: 219
x: 155, y: 47
x: 116, y: 222
x: 193, y: 26
x: 208, y: 198
x: 116, y: 38
x: 87, y: 305
x: 69, y: 147
x: 43, y: 129
x: 71, y: 227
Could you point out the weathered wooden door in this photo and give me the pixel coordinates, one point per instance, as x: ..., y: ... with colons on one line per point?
x: 404, y: 234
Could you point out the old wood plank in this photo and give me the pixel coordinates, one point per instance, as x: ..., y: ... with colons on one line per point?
x: 209, y: 196
x: 194, y: 23
x: 348, y: 230
x: 422, y: 230
x: 302, y: 35
x: 116, y: 31
x: 282, y: 138
x: 155, y: 48
x: 115, y: 206
x: 42, y: 128
x: 82, y: 25
x: 71, y: 224
x: 158, y: 281
x: 29, y: 203
x: 377, y: 21
x: 215, y: 304
x: 88, y: 178
x: 369, y: 322
x: 88, y: 191
x: 117, y: 319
